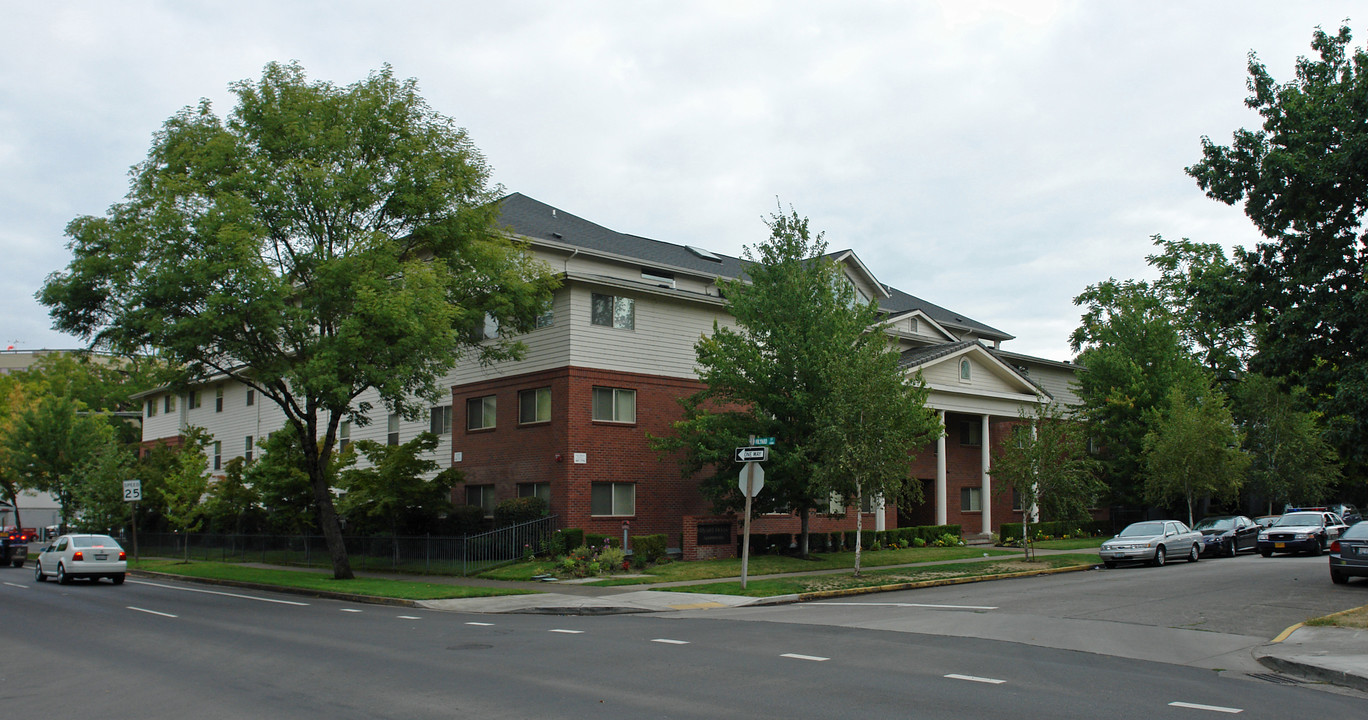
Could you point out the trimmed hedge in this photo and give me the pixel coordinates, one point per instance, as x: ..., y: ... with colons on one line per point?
x: 465, y: 519
x: 515, y: 511
x: 596, y: 540
x: 574, y: 537
x: 1055, y: 528
x: 648, y: 548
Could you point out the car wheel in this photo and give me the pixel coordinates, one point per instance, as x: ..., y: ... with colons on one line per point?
x: 38, y: 575
x: 62, y: 577
x: 1111, y: 564
x: 18, y: 563
x: 1266, y: 553
x: 1232, y: 549
x: 1195, y: 553
x: 1159, y: 558
x: 1339, y: 578
x: 118, y: 579
x: 1317, y: 548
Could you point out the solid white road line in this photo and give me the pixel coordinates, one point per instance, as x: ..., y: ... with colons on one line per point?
x: 1213, y: 708
x: 974, y: 678
x: 409, y: 617
x: 813, y: 658
x: 671, y: 642
x: 224, y: 594
x: 18, y: 586
x: 569, y: 632
x: 151, y: 612
x: 479, y: 624
x: 918, y: 605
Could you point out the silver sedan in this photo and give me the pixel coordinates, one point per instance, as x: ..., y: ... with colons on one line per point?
x: 81, y: 556
x: 1152, y: 542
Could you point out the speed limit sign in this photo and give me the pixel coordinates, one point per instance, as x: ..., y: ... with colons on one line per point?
x: 132, y: 490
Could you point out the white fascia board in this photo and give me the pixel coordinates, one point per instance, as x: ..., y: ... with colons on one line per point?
x: 848, y: 257
x: 958, y: 400
x: 569, y: 249
x: 644, y: 288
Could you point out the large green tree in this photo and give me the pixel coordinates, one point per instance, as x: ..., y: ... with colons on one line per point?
x: 319, y: 242
x: 1133, y: 356
x: 48, y: 441
x: 773, y: 372
x: 1193, y: 449
x: 1303, y: 180
x: 392, y: 494
x: 1290, y: 460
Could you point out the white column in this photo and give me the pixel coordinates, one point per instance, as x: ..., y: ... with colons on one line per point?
x: 985, y: 482
x: 940, y: 472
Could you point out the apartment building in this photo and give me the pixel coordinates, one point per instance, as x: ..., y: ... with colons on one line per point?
x: 605, y: 367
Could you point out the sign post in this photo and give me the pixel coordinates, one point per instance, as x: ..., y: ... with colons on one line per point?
x: 132, y: 494
x: 752, y: 480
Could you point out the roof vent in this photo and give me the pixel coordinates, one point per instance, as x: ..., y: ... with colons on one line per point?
x: 557, y: 235
x: 700, y: 252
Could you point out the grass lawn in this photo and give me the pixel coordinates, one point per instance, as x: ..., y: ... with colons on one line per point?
x: 1356, y: 618
x: 759, y: 565
x: 1071, y: 544
x: 310, y: 580
x: 891, y: 576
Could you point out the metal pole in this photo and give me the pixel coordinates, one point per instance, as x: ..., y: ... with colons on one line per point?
x: 745, y: 543
x: 135, y: 531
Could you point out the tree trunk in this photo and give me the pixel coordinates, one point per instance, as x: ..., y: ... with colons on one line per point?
x: 859, y: 527
x: 327, y: 520
x: 803, y: 545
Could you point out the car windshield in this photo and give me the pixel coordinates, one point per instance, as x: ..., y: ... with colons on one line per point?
x: 1143, y: 529
x: 94, y: 541
x: 1217, y: 523
x: 1301, y: 518
x: 1358, y: 531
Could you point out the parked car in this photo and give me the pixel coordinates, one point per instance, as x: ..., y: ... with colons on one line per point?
x: 82, y: 556
x: 1347, y: 512
x: 1152, y: 542
x: 1308, y: 531
x: 12, y: 550
x: 1349, y: 554
x: 1228, y: 534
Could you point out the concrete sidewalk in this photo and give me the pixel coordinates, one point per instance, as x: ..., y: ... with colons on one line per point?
x: 1334, y: 655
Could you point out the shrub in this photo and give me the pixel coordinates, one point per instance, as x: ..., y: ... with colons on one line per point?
x: 554, y: 545
x: 598, y: 540
x: 647, y: 549
x: 611, y: 559
x: 779, y: 543
x: 918, y: 542
x: 835, y: 542
x: 515, y: 511
x: 465, y: 519
x: 574, y: 537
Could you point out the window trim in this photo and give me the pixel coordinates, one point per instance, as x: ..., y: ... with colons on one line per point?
x: 535, y: 393
x: 613, y: 304
x: 439, y: 420
x: 613, y: 499
x: 485, y: 488
x: 971, y: 494
x: 966, y: 370
x: 492, y: 408
x: 593, y: 405
x: 392, y: 429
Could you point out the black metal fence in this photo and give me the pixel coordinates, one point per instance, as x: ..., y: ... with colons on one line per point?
x: 416, y: 554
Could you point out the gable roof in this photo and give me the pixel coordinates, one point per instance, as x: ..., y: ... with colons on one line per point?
x: 899, y: 302
x: 918, y: 358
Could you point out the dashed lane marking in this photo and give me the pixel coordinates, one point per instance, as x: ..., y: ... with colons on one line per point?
x: 667, y: 641
x: 151, y: 612
x: 409, y: 617
x: 351, y: 610
x: 1212, y: 708
x: 15, y: 585
x: 480, y: 624
x: 813, y: 658
x: 568, y: 632
x: 975, y: 678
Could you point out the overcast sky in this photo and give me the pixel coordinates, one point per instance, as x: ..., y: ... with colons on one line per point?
x: 991, y: 157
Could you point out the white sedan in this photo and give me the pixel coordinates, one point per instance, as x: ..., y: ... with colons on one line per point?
x: 82, y: 556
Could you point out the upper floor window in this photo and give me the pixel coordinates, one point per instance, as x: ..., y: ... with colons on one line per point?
x: 441, y: 420
x: 247, y: 451
x: 218, y: 455
x: 547, y: 319
x: 615, y: 405
x: 480, y: 412
x: 392, y: 431
x: 218, y: 398
x: 152, y: 407
x: 965, y: 369
x: 344, y: 434
x: 251, y: 397
x: 534, y: 406
x: 168, y: 403
x: 612, y: 311
x: 193, y: 400
x: 489, y: 330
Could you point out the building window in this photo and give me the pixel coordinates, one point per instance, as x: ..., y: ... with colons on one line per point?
x: 1016, y: 500
x: 218, y: 398
x: 913, y: 325
x: 441, y: 420
x: 615, y: 405
x: 612, y: 311
x: 247, y: 451
x: 193, y: 400
x: 488, y: 331
x: 218, y: 455
x: 392, y: 430
x: 481, y: 496
x: 546, y: 319
x: 612, y: 499
x: 971, y: 433
x: 534, y: 406
x: 251, y: 397
x: 344, y: 435
x: 152, y: 407
x: 541, y: 490
x: 480, y: 412
x: 965, y: 370
x: 168, y: 403
x: 971, y: 499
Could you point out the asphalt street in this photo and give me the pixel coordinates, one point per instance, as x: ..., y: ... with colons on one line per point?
x: 154, y: 649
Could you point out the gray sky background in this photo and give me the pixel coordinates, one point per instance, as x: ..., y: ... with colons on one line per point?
x: 991, y: 157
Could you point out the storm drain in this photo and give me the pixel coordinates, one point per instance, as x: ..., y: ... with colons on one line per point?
x: 1277, y: 679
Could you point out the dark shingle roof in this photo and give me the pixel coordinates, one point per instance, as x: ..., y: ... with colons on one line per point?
x: 923, y: 355
x: 537, y: 220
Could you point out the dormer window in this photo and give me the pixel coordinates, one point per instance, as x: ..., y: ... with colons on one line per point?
x: 658, y: 277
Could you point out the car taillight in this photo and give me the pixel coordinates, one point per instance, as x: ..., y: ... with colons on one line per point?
x: 123, y: 555
x: 1334, y: 546
x: 77, y: 557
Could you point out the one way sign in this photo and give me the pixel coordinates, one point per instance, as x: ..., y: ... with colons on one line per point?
x: 752, y: 453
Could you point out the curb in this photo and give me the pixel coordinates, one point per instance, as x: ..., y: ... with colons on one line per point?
x: 847, y: 592
x: 1314, y: 673
x: 323, y: 594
